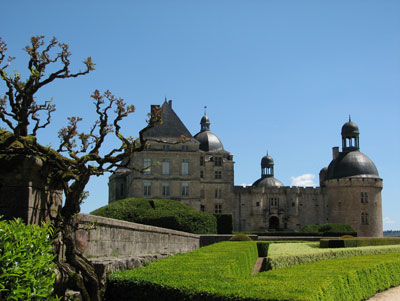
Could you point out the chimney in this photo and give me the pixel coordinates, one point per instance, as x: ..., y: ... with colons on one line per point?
x: 335, y: 152
x: 170, y: 103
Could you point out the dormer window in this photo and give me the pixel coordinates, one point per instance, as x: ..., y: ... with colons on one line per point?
x: 217, y: 161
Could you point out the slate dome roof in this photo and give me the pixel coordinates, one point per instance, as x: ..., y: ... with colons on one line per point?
x: 267, y: 161
x: 350, y: 129
x: 268, y: 182
x: 349, y: 164
x: 209, y: 142
x: 205, y: 119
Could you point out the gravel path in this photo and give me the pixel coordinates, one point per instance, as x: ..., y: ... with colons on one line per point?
x: 392, y: 294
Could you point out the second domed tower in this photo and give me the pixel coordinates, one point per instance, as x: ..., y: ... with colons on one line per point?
x: 267, y: 174
x: 353, y: 186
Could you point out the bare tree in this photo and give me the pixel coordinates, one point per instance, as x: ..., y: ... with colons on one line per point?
x: 21, y: 113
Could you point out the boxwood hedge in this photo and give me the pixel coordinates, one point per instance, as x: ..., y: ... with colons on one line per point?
x: 223, y: 272
x: 330, y: 229
x: 161, y: 213
x: 289, y: 254
x: 358, y: 242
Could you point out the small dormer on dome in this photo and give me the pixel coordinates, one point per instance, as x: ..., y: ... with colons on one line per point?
x: 350, y: 136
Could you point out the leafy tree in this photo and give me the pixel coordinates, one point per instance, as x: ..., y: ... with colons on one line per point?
x: 82, y: 159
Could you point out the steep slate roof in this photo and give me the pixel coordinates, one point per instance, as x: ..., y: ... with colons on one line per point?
x: 171, y: 127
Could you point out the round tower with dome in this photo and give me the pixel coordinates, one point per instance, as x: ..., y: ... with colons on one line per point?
x: 353, y: 186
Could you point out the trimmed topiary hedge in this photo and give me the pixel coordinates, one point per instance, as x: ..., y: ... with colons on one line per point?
x: 224, y: 223
x: 240, y: 237
x: 262, y: 248
x: 161, y: 213
x: 284, y: 233
x: 223, y: 272
x: 330, y: 229
x: 288, y: 254
x: 26, y: 261
x: 357, y: 242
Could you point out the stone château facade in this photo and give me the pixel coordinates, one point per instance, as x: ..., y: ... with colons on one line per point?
x: 198, y: 171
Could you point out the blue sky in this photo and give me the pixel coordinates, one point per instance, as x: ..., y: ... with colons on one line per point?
x: 281, y: 76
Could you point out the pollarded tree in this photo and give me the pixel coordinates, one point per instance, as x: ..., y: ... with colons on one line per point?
x: 21, y: 113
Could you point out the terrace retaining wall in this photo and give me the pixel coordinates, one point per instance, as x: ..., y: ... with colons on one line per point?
x: 105, y: 237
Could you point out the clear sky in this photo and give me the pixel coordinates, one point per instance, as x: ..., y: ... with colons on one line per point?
x: 281, y: 76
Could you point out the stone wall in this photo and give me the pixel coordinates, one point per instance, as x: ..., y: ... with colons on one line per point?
x: 24, y: 191
x: 101, y: 237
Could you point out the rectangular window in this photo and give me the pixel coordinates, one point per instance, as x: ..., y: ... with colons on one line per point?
x: 185, y: 168
x: 218, y: 193
x: 364, y: 219
x: 201, y: 161
x: 185, y: 148
x: 274, y: 202
x: 165, y: 147
x: 218, y: 208
x: 258, y: 204
x: 185, y: 189
x: 364, y: 197
x: 202, y: 208
x: 165, y: 189
x: 217, y: 161
x: 147, y: 166
x: 147, y: 188
x: 165, y: 167
x: 202, y: 193
x: 218, y: 174
x: 201, y: 174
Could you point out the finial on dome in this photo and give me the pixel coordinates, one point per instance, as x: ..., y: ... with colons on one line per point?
x: 349, y: 118
x: 205, y: 110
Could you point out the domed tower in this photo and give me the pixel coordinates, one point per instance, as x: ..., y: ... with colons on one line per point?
x: 267, y: 174
x: 354, y: 186
x: 216, y: 171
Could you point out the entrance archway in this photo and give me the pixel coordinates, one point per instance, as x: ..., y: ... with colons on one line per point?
x: 273, y: 223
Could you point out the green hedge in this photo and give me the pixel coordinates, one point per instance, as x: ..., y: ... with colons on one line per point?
x: 224, y: 223
x: 161, y: 213
x: 330, y: 229
x: 223, y: 272
x: 358, y: 242
x: 284, y: 233
x: 189, y: 276
x: 286, y: 255
x: 291, y: 233
x: 26, y: 261
x: 240, y: 237
x: 262, y: 248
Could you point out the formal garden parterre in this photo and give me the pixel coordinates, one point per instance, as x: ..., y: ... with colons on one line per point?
x: 223, y: 272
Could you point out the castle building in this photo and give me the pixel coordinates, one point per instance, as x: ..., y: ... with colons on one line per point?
x: 175, y: 165
x: 198, y: 171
